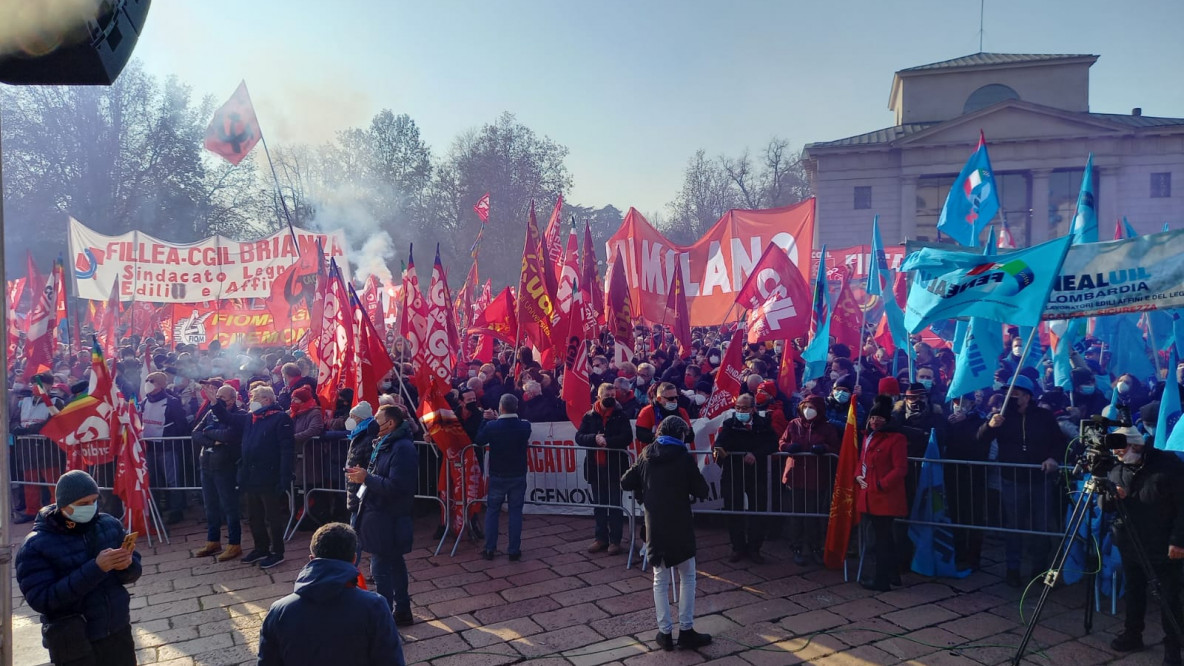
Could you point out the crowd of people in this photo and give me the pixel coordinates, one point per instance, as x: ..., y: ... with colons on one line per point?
x: 245, y: 414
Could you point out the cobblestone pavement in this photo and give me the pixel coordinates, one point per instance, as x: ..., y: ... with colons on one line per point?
x: 560, y: 605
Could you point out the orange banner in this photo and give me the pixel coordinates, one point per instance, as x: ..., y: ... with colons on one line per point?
x: 716, y: 266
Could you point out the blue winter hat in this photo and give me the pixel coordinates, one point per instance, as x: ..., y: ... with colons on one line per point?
x: 1022, y: 382
x: 73, y: 486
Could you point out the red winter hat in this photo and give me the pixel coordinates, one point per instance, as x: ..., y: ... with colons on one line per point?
x: 768, y: 387
x: 888, y: 386
x: 303, y: 394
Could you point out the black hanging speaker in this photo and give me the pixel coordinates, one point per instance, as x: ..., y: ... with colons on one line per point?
x: 92, y: 52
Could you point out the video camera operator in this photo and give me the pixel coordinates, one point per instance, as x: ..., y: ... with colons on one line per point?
x: 1150, y: 485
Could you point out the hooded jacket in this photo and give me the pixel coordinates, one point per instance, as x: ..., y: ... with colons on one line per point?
x: 667, y: 476
x: 361, y: 445
x: 57, y: 572
x: 328, y: 620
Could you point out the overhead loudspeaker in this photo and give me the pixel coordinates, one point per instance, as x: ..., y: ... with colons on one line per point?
x: 93, y: 52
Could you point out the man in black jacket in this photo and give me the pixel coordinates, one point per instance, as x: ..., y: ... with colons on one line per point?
x: 742, y: 450
x: 221, y: 447
x: 327, y: 603
x: 1150, y: 486
x: 507, y: 437
x: 1026, y: 434
x: 264, y: 472
x: 606, y: 433
x: 667, y: 476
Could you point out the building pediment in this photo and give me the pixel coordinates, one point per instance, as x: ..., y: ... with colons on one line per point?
x: 1013, y: 120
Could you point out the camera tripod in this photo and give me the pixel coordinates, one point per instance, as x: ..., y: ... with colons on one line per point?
x: 1081, y: 510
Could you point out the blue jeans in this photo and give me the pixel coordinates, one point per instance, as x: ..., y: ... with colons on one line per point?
x: 609, y: 522
x: 220, y: 496
x: 1025, y: 503
x: 390, y: 579
x: 503, y: 489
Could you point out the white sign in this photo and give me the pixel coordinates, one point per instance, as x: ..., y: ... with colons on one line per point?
x: 215, y: 268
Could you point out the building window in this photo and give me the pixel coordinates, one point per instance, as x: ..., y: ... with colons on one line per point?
x: 863, y: 197
x: 1161, y: 185
x: 988, y: 95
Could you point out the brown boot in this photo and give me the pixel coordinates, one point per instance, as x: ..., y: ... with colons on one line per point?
x: 210, y: 548
x: 232, y: 551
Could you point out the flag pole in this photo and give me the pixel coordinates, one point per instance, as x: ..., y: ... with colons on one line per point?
x: 1154, y: 345
x: 279, y: 191
x: 1019, y: 366
x: 859, y: 351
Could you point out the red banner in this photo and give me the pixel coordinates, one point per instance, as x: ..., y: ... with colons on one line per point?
x: 715, y: 267
x: 727, y: 384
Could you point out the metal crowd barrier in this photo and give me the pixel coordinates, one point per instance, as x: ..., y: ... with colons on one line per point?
x: 321, y: 463
x: 38, y: 462
x: 567, y: 488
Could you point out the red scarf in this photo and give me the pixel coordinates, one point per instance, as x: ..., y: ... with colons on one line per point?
x: 298, y: 409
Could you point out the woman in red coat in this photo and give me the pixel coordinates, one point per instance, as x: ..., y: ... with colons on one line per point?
x: 880, y: 492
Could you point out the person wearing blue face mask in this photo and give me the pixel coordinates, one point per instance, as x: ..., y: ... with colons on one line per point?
x: 838, y: 400
x: 742, y: 449
x: 73, y: 570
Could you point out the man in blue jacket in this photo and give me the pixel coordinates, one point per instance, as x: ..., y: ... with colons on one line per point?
x: 327, y: 619
x: 507, y: 437
x: 264, y: 471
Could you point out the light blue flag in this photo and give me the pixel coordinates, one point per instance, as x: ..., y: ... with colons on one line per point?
x: 1035, y: 352
x: 1166, y: 227
x: 815, y: 353
x: 1172, y: 438
x: 960, y: 329
x: 974, y: 367
x: 930, y: 530
x: 877, y: 272
x: 973, y: 200
x: 1067, y: 332
x: 1085, y: 222
x: 895, y: 316
x: 1129, y: 350
x: 1012, y: 289
x: 1128, y: 230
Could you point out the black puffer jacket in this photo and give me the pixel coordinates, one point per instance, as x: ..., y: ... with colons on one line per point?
x: 220, y: 442
x: 1028, y: 438
x: 1154, y: 503
x: 668, y: 476
x: 384, y: 519
x: 618, y: 434
x: 57, y: 572
x: 361, y: 445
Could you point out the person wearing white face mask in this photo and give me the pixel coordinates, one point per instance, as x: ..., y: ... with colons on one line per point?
x: 163, y: 416
x: 72, y: 569
x: 807, y: 477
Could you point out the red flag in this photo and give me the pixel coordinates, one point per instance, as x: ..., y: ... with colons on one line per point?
x: 727, y: 383
x: 588, y: 277
x: 335, y: 344
x: 39, y: 325
x: 617, y: 302
x: 482, y: 208
x: 16, y: 289
x: 59, y: 306
x: 900, y: 288
x: 370, y: 354
x: 787, y: 377
x: 565, y: 297
x: 778, y: 296
x: 464, y: 308
x: 131, y: 472
x: 577, y: 388
x: 459, y: 473
x: 109, y: 327
x: 295, y: 288
x: 842, y: 505
x: 234, y: 131
x: 83, y: 428
x: 440, y: 350
x: 535, y: 305
x: 413, y: 321
x: 678, y: 314
x: 847, y: 319
x: 553, y: 240
x: 497, y: 320
x: 372, y: 302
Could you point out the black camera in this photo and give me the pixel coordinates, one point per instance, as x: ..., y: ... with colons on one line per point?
x: 1098, y: 443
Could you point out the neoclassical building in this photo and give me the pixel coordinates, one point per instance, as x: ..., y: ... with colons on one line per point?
x: 1034, y: 111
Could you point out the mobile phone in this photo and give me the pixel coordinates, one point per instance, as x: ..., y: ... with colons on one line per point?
x: 129, y: 541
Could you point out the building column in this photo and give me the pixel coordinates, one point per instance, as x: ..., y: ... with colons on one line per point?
x: 1039, y: 232
x: 908, y: 208
x: 1107, y: 203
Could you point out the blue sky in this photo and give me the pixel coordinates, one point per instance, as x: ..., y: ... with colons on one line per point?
x: 634, y: 88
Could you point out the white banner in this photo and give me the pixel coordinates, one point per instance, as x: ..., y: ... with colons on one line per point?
x: 215, y: 268
x: 555, y: 476
x: 1131, y: 275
